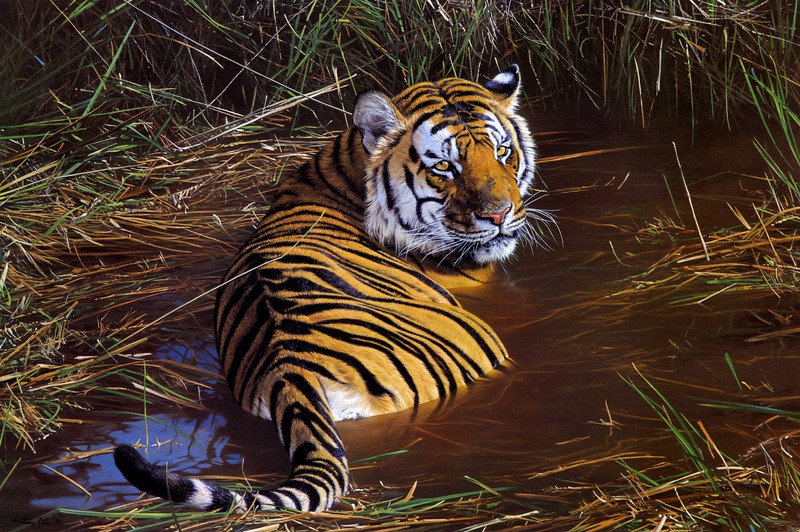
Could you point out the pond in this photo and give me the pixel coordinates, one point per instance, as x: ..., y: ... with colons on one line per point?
x: 573, y: 334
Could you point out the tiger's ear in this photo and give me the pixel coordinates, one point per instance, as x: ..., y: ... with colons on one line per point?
x: 505, y: 87
x: 374, y: 115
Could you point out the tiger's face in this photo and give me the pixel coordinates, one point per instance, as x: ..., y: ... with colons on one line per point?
x: 449, y: 164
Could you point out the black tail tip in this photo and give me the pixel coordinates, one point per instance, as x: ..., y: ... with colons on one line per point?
x: 126, y: 458
x: 138, y: 471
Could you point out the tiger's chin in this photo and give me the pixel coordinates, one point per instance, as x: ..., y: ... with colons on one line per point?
x: 495, y: 250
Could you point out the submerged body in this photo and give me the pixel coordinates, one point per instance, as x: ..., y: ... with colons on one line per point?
x: 336, y: 307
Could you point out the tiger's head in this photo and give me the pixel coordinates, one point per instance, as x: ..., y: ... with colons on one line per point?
x: 448, y: 166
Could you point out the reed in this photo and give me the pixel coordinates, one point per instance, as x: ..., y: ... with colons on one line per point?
x: 204, y: 60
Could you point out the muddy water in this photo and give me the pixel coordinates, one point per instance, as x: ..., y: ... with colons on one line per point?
x: 571, y: 340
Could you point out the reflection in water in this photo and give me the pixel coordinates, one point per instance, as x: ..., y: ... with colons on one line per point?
x: 570, y: 339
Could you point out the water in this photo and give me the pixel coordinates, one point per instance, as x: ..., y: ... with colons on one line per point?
x: 571, y: 340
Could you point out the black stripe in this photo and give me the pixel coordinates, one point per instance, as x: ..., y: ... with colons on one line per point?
x: 249, y: 500
x: 341, y: 171
x: 291, y: 361
x: 303, y: 457
x: 336, y: 194
x: 370, y: 254
x: 220, y: 497
x: 468, y: 328
x: 409, y: 329
x: 234, y: 302
x: 412, y: 154
x: 273, y: 497
x: 311, y: 418
x: 425, y: 94
x: 334, y: 473
x: 260, y: 365
x: 321, y: 272
x: 310, y: 393
x: 316, y: 477
x: 518, y: 134
x: 318, y: 470
x: 387, y: 185
x: 421, y: 120
x: 423, y: 201
x: 386, y: 348
x: 296, y: 286
x: 469, y: 93
x: 294, y: 501
x: 445, y: 123
x: 274, y: 394
x: 351, y: 143
x: 370, y: 273
x: 247, y: 350
x: 304, y: 176
x: 434, y: 100
x: 422, y: 350
x: 305, y: 487
x: 302, y: 346
x: 322, y: 434
x: 410, y: 182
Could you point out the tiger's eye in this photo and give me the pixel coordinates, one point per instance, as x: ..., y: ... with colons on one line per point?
x: 442, y: 166
x: 502, y: 151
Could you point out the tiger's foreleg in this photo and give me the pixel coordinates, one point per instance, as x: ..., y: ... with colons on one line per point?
x: 298, y: 407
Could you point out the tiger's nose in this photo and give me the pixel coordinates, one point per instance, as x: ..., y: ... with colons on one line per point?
x: 495, y: 217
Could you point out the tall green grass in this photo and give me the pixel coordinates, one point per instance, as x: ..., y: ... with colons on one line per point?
x: 207, y: 59
x: 776, y: 96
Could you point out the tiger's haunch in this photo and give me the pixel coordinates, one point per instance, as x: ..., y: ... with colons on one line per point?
x: 337, y: 306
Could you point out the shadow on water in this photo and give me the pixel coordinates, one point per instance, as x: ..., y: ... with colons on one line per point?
x: 562, y: 400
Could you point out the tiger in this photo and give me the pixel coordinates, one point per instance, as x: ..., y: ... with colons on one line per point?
x: 338, y: 306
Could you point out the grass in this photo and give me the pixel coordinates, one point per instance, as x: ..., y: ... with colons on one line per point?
x: 208, y: 62
x: 140, y: 139
x: 718, y: 489
x: 70, y: 265
x: 758, y: 256
x: 756, y: 259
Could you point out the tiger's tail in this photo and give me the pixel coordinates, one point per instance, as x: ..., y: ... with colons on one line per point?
x: 319, y: 472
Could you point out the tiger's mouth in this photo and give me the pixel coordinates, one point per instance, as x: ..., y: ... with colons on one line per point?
x: 496, y: 249
x: 501, y: 239
x: 484, y: 249
x: 482, y: 236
